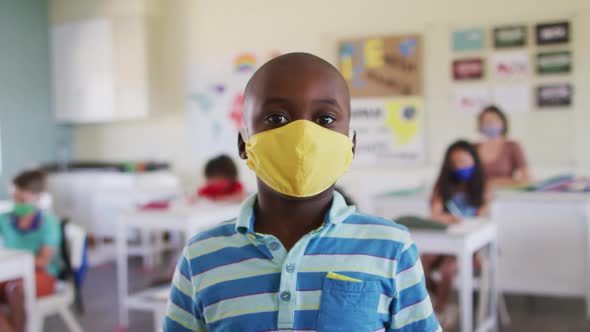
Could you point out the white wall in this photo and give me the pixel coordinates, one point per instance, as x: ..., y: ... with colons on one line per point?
x: 185, y: 31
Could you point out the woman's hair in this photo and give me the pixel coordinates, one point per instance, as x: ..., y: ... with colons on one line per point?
x: 221, y: 166
x: 447, y: 184
x: 495, y: 110
x: 32, y: 180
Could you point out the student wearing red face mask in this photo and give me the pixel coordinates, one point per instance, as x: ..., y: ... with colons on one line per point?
x: 222, y: 183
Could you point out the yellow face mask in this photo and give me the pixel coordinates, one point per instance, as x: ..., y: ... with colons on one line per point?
x: 300, y: 159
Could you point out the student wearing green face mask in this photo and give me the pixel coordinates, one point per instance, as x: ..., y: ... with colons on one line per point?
x: 26, y: 227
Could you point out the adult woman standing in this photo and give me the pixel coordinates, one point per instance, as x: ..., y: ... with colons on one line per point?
x: 503, y: 159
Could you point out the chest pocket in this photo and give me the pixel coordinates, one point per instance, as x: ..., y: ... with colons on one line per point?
x: 348, y: 304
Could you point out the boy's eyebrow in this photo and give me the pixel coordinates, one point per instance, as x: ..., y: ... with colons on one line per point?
x: 275, y: 100
x: 329, y: 101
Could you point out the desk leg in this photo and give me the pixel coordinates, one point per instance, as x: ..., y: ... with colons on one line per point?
x: 122, y: 273
x: 466, y: 290
x: 30, y: 297
x: 587, y: 218
x: 494, y: 289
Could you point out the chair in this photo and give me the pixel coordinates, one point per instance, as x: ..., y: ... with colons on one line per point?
x: 73, y: 253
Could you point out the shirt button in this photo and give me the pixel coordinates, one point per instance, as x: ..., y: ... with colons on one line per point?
x: 285, y: 296
x: 290, y: 268
x: 274, y: 246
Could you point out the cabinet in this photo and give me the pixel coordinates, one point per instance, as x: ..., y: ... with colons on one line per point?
x: 99, y: 70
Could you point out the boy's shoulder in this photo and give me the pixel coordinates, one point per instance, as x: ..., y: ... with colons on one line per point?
x: 377, y: 227
x: 221, y: 231
x: 365, y: 219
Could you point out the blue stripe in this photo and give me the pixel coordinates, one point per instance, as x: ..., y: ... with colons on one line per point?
x: 234, y: 288
x: 262, y: 321
x: 306, y: 319
x: 225, y: 229
x: 310, y: 281
x: 409, y: 297
x: 222, y: 257
x: 171, y: 326
x: 184, y: 268
x: 408, y: 259
x: 182, y: 301
x: 337, y: 246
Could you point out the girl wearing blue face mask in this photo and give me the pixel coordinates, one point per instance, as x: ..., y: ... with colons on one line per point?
x: 460, y: 192
x: 503, y: 159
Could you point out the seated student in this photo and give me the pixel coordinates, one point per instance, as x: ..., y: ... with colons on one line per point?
x: 29, y: 228
x: 222, y: 182
x: 503, y: 159
x: 460, y: 192
x: 297, y: 257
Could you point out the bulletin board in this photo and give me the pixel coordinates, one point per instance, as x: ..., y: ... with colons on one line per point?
x: 382, y: 66
x: 384, y: 75
x: 521, y: 67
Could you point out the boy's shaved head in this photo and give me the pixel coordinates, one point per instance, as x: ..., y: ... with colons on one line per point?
x: 296, y: 79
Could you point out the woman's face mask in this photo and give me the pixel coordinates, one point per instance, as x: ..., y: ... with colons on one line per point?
x: 492, y: 126
x: 492, y: 131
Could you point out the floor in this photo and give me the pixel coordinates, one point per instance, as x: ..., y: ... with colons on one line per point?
x: 537, y: 314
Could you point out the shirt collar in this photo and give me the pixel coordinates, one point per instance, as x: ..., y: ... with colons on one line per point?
x: 339, y: 211
x: 34, y: 225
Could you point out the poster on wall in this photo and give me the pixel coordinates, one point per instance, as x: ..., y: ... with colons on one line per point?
x: 554, y: 62
x: 552, y: 33
x: 389, y: 130
x: 468, y: 69
x: 510, y: 65
x: 215, y: 95
x: 554, y: 95
x: 472, y: 99
x: 468, y: 40
x: 513, y: 98
x: 510, y: 36
x: 382, y: 66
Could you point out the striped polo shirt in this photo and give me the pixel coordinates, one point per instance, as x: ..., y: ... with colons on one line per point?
x: 355, y: 273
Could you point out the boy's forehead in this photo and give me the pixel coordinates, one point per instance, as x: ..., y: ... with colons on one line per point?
x: 293, y: 73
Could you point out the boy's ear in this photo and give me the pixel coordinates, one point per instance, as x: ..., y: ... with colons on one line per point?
x: 242, y: 146
x: 354, y: 143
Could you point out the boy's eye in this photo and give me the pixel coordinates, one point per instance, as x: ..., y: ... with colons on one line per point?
x: 277, y: 119
x: 325, y: 120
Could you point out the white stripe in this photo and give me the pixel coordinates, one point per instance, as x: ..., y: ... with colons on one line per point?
x: 384, y: 304
x: 352, y: 263
x: 241, y: 306
x: 213, y: 244
x: 182, y: 284
x: 409, y: 277
x: 413, y: 313
x: 377, y: 232
x: 245, y: 269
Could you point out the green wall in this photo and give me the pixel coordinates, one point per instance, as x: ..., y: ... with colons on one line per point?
x: 28, y: 132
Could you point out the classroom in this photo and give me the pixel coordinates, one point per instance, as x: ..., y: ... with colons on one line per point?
x: 383, y: 165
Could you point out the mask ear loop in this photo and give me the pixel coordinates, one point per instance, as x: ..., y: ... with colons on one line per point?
x: 244, y: 134
x: 351, y: 134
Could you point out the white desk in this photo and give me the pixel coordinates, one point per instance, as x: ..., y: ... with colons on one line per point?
x: 544, y: 241
x: 188, y: 220
x: 16, y: 264
x: 463, y: 241
x: 535, y: 229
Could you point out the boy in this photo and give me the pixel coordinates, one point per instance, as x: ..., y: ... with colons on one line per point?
x: 28, y: 228
x: 297, y: 257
